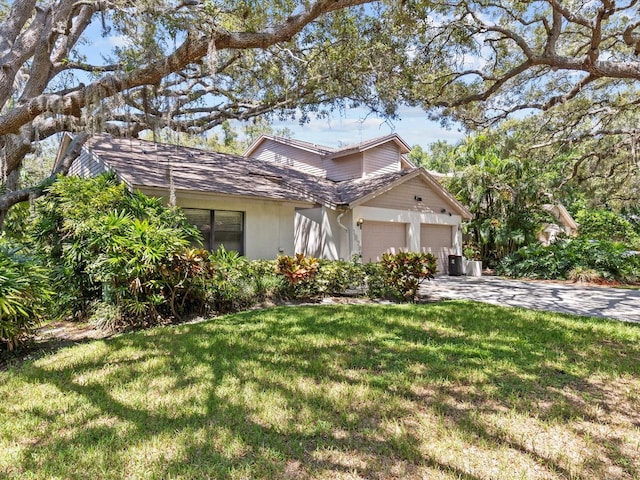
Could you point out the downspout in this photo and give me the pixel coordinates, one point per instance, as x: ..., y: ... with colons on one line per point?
x: 346, y: 229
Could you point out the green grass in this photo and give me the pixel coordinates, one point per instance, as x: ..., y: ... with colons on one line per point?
x: 453, y: 390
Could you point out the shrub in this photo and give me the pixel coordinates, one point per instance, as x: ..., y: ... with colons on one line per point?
x: 605, y: 225
x: 104, y: 243
x: 106, y: 316
x: 297, y: 269
x: 186, y: 280
x: 405, y: 271
x: 23, y: 295
x: 609, y: 260
x: 133, y: 260
x: 533, y: 261
x: 375, y: 282
x: 232, y: 284
x: 298, y: 272
x: 583, y: 274
x: 266, y: 281
x: 336, y: 277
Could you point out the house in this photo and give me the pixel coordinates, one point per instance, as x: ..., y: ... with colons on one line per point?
x: 286, y: 196
x: 565, y: 224
x: 383, y: 202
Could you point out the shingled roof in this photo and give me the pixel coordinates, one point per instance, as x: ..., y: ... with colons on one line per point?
x: 146, y: 164
x: 329, y: 152
x: 352, y: 190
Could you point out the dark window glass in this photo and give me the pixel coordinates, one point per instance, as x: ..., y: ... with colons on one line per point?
x: 201, y: 219
x: 228, y: 228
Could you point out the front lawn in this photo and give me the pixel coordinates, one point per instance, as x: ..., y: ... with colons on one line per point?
x: 440, y: 391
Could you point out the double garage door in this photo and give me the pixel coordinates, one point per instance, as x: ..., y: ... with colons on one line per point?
x: 381, y: 237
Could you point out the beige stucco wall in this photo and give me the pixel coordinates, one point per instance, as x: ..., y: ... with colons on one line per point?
x: 403, y: 197
x: 269, y: 225
x: 317, y: 233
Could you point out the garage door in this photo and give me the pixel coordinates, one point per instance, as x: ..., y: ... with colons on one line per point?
x: 381, y: 237
x: 436, y: 239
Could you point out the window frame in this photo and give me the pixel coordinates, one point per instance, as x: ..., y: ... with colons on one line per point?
x: 212, y: 229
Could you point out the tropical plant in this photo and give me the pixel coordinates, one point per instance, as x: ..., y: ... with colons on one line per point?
x: 335, y: 277
x: 104, y: 243
x: 24, y: 292
x: 298, y: 271
x: 132, y: 259
x: 471, y: 252
x: 186, y: 279
x: 583, y: 274
x: 502, y: 192
x: 232, y: 285
x: 569, y: 258
x: 601, y: 224
x: 405, y: 271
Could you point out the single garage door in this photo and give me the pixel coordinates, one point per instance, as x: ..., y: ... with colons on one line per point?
x: 381, y: 237
x: 436, y: 239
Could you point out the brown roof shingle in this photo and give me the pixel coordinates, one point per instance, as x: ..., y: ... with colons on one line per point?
x: 142, y: 163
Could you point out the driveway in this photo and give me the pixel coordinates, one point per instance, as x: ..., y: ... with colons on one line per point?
x: 603, y: 302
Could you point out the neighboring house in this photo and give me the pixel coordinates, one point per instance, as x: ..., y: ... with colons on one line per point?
x: 286, y: 196
x: 565, y: 224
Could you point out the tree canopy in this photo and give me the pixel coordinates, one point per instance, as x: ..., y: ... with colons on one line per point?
x: 186, y: 65
x: 190, y: 65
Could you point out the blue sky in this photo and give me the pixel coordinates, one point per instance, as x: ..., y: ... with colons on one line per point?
x: 354, y: 126
x: 343, y: 128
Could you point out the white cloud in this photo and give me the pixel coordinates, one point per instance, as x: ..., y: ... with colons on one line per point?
x: 118, y: 41
x: 355, y: 126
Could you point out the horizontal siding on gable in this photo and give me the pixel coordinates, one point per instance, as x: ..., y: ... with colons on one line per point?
x: 403, y: 196
x: 345, y: 168
x: 271, y: 151
x: 382, y: 159
x: 87, y: 165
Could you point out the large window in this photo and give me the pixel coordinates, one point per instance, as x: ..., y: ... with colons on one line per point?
x: 219, y: 227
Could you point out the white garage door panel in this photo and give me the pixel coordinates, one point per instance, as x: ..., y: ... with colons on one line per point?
x: 380, y: 237
x: 436, y: 239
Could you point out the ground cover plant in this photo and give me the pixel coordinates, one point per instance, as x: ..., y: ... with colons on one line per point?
x: 573, y: 259
x: 446, y: 390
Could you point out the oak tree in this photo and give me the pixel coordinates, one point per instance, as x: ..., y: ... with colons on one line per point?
x: 190, y: 65
x: 187, y: 65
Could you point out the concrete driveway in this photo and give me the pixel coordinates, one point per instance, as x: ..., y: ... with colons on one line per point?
x: 603, y: 302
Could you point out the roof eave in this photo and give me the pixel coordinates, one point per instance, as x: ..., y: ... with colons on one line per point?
x: 200, y: 193
x: 254, y: 145
x: 395, y: 138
